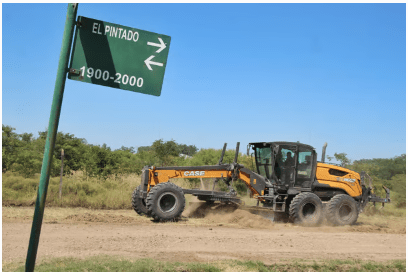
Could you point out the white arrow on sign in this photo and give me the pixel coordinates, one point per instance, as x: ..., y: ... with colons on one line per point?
x: 149, y: 62
x: 161, y: 45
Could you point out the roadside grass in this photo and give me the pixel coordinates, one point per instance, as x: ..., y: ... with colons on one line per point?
x: 396, y: 223
x: 326, y: 265
x: 77, y: 191
x: 115, y: 263
x: 389, y: 209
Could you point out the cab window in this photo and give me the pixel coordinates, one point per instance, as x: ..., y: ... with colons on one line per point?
x: 264, y: 161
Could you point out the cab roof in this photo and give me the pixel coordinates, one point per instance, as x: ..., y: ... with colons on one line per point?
x: 282, y: 143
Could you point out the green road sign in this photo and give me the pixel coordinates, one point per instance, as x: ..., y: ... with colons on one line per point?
x: 118, y: 56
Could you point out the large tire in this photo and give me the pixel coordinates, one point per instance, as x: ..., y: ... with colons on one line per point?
x: 342, y: 210
x: 165, y: 202
x: 139, y: 204
x: 306, y: 209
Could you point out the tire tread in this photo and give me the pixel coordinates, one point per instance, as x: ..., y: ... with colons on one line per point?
x: 332, y: 210
x: 137, y: 203
x: 295, y: 205
x: 152, y: 196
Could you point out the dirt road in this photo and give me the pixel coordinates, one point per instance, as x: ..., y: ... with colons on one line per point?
x: 237, y: 235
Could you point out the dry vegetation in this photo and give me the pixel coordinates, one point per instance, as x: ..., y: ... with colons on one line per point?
x: 78, y: 190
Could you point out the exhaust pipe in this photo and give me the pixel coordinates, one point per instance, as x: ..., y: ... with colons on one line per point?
x: 324, y: 152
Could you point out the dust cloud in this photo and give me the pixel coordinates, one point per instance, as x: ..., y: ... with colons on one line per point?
x: 226, y: 214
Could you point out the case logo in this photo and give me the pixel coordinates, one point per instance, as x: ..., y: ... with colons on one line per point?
x: 346, y: 179
x: 194, y: 173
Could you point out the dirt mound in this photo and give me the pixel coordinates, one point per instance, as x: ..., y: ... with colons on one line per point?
x: 226, y: 214
x: 102, y: 218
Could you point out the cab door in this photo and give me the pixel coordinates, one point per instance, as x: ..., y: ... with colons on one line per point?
x: 285, y: 163
x: 304, y: 167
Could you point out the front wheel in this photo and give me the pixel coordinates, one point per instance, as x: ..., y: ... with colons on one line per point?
x: 306, y: 209
x: 342, y: 210
x: 165, y: 202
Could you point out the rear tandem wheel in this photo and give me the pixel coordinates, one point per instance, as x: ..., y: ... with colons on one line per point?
x: 306, y: 209
x: 342, y: 210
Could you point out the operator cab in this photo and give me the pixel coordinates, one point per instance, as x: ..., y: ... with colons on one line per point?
x: 286, y: 164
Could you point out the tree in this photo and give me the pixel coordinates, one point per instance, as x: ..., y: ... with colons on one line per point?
x: 26, y: 137
x: 144, y: 149
x: 342, y: 158
x: 27, y: 155
x: 384, y: 169
x: 29, y: 161
x: 127, y: 162
x: 146, y: 158
x: 100, y: 161
x: 74, y: 149
x: 165, y: 151
x: 127, y: 149
x: 11, y: 144
x: 189, y: 150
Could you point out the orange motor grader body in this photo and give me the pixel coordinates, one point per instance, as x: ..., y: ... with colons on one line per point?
x: 288, y: 181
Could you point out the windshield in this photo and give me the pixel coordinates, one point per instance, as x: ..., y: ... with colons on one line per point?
x: 264, y: 161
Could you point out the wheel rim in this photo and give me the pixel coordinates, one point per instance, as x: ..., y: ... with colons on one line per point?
x: 309, y: 211
x: 167, y: 202
x: 345, y: 212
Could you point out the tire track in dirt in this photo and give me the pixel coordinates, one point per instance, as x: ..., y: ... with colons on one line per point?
x: 175, y: 242
x: 206, y: 233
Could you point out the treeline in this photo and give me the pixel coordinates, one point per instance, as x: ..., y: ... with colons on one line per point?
x: 388, y: 172
x: 23, y: 153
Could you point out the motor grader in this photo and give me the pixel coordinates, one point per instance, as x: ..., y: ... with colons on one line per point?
x: 289, y: 182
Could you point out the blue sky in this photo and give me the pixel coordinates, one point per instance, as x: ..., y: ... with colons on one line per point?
x: 312, y: 73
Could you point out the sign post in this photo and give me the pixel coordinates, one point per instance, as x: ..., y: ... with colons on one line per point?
x: 51, y: 136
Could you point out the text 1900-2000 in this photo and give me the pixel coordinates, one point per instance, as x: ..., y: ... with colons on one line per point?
x: 105, y: 75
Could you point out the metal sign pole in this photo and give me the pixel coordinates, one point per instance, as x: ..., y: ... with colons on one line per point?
x: 51, y: 136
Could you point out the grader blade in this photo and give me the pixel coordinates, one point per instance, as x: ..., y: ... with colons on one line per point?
x: 262, y: 211
x: 266, y: 213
